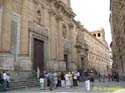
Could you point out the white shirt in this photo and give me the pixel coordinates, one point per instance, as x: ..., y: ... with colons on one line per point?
x: 5, y: 76
x: 8, y: 78
x: 78, y: 74
x: 66, y: 77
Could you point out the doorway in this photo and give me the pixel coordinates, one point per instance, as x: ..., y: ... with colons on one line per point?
x: 38, y: 54
x: 66, y: 60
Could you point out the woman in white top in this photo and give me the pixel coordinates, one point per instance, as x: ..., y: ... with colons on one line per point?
x: 67, y: 80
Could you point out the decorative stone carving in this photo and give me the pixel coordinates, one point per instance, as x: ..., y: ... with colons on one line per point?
x: 52, y: 11
x: 38, y: 16
x: 64, y: 32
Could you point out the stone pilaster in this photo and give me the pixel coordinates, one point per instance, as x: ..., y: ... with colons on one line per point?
x: 24, y: 29
x: 60, y: 39
x: 52, y: 35
x: 71, y: 41
x: 6, y: 31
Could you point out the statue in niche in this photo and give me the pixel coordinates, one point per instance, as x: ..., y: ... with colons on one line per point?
x: 64, y: 31
x: 38, y: 16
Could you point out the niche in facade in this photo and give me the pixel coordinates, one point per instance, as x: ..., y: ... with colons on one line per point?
x: 64, y: 32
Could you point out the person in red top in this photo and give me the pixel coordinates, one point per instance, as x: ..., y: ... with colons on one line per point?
x: 108, y: 76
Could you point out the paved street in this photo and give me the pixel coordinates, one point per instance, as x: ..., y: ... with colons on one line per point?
x: 98, y: 88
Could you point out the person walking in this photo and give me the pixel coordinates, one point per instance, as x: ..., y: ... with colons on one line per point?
x: 87, y: 83
x: 92, y: 75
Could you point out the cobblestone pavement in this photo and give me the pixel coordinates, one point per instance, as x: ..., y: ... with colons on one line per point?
x: 99, y: 87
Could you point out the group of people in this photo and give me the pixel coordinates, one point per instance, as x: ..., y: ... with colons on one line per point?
x: 59, y: 79
x: 109, y: 77
x: 66, y: 79
x: 5, y: 80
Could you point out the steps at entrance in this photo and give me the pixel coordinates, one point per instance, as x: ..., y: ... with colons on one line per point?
x: 22, y: 84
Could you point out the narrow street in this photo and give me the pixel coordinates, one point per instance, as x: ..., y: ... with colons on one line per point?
x: 81, y: 88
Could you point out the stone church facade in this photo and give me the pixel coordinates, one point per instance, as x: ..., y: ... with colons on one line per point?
x: 40, y: 34
x: 37, y: 34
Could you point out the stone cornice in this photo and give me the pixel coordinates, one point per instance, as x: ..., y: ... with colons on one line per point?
x: 66, y: 9
x: 41, y: 2
x: 60, y: 7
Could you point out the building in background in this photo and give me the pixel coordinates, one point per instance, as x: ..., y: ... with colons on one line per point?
x: 117, y: 21
x: 98, y: 51
x: 111, y: 60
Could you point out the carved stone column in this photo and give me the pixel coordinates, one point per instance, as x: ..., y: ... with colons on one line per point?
x: 6, y: 31
x: 24, y: 29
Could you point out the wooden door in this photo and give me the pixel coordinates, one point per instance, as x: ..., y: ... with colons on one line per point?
x: 38, y: 54
x: 66, y: 60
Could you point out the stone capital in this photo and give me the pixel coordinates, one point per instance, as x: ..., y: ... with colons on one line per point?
x: 52, y: 11
x: 71, y: 25
x: 59, y: 17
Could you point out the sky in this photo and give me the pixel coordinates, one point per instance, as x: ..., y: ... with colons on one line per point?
x: 93, y: 14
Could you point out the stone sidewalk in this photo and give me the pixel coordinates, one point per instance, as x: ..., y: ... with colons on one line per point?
x: 99, y: 87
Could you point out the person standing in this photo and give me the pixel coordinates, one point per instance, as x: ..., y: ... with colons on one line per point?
x: 5, y: 79
x: 45, y: 79
x: 67, y: 80
x: 62, y: 80
x: 75, y: 82
x: 8, y: 80
x: 92, y: 75
x: 41, y: 77
x: 87, y: 83
x: 51, y: 79
x: 38, y: 72
x: 78, y: 77
x: 55, y: 80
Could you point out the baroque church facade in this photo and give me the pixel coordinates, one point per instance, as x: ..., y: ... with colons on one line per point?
x: 36, y: 34
x: 40, y: 34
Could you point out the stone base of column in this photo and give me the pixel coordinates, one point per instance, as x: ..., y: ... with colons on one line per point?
x: 21, y: 75
x: 72, y: 66
x: 19, y: 68
x: 56, y: 65
x: 6, y: 61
